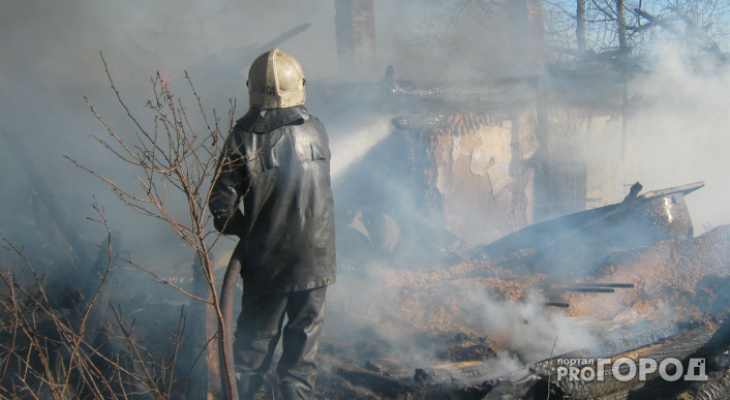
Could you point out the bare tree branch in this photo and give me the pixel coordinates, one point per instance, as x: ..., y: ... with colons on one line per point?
x: 175, y: 162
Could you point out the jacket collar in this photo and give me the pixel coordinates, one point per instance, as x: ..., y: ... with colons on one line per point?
x: 265, y: 119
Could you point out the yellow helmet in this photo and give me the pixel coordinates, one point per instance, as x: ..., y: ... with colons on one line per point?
x: 275, y: 80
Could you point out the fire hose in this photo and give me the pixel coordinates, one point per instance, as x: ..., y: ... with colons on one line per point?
x: 225, y: 339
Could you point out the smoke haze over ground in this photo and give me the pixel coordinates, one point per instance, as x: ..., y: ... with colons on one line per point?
x: 677, y: 134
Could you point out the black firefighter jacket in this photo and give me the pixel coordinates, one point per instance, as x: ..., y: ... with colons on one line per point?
x: 278, y: 161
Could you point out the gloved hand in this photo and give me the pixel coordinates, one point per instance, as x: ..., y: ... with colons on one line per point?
x: 229, y: 225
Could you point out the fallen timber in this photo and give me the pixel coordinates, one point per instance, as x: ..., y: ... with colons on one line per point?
x: 379, y: 383
x: 703, y: 343
x: 587, y: 289
x: 557, y: 304
x: 472, y: 380
x: 481, y: 380
x: 655, y: 337
x: 611, y: 379
x: 545, y: 377
x: 578, y: 243
x: 454, y: 123
x: 464, y: 373
x: 717, y: 354
x: 608, y: 285
x: 717, y: 387
x: 448, y: 93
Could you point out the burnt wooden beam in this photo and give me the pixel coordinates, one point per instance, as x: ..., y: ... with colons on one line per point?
x: 355, y: 34
x: 377, y: 383
x: 460, y: 373
x: 607, y: 285
x: 586, y: 289
x: 557, y: 304
x: 679, y: 347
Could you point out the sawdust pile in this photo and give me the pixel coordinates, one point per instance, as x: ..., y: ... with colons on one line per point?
x: 674, y: 282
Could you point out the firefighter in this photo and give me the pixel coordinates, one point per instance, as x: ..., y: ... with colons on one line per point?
x: 276, y: 162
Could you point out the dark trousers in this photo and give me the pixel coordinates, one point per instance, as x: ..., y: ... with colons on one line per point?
x: 258, y: 331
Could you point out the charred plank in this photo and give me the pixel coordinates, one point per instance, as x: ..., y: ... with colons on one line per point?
x: 419, y: 122
x: 679, y: 347
x: 448, y: 93
x: 377, y: 383
x: 454, y: 374
x: 717, y: 387
x: 557, y: 304
x: 587, y: 289
x: 607, y: 285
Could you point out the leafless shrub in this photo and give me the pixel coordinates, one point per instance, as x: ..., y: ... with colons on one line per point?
x: 52, y: 351
x: 44, y: 351
x: 174, y: 163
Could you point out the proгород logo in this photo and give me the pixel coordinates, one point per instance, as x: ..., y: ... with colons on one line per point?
x: 627, y: 369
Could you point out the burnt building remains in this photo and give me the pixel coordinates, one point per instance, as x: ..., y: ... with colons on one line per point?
x: 489, y: 236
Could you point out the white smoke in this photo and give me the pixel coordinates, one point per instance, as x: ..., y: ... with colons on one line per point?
x: 677, y: 128
x: 349, y: 147
x: 532, y: 329
x: 680, y: 132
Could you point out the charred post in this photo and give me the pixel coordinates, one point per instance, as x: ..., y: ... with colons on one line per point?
x: 355, y: 32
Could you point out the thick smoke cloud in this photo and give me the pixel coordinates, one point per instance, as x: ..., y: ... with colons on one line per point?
x: 675, y: 135
x: 51, y: 60
x: 57, y: 43
x: 681, y: 136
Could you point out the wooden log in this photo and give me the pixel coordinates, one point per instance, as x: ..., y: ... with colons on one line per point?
x: 455, y: 374
x: 391, y: 367
x: 587, y: 289
x: 606, y: 285
x: 679, y: 347
x: 717, y: 387
x: 377, y: 383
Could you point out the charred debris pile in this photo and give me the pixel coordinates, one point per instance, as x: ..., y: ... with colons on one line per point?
x: 514, y: 281
x: 529, y: 276
x: 630, y: 275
